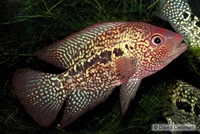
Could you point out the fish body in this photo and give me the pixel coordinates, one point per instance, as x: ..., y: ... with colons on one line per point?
x: 180, y: 16
x: 185, y: 102
x: 96, y: 60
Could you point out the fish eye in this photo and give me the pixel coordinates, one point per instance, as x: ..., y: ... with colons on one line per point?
x: 157, y: 40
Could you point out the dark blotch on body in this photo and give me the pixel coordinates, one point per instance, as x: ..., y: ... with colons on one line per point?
x: 72, y: 72
x: 183, y: 105
x: 126, y: 46
x: 105, y: 57
x: 79, y: 68
x: 94, y: 60
x: 118, y: 52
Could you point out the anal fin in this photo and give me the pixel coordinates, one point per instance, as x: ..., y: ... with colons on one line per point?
x: 81, y: 101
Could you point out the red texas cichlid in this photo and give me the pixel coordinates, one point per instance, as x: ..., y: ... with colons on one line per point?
x: 96, y: 60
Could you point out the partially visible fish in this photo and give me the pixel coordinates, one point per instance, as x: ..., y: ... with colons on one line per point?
x: 185, y: 100
x: 97, y: 59
x: 179, y: 15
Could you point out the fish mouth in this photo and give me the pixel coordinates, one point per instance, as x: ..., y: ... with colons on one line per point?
x: 179, y: 49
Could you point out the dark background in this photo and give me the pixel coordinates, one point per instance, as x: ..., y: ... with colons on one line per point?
x: 29, y: 25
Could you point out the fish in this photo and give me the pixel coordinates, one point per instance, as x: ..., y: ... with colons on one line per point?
x: 95, y: 60
x: 185, y: 104
x: 178, y: 13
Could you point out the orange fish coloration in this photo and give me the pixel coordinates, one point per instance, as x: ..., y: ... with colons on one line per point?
x: 96, y: 60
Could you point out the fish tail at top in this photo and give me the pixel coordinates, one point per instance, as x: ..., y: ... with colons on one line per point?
x: 41, y: 94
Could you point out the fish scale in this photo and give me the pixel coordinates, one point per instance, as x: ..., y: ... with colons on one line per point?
x: 97, y: 59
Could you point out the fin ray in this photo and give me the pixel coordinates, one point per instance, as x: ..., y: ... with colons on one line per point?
x: 125, y: 67
x: 80, y: 101
x: 63, y: 52
x: 38, y: 94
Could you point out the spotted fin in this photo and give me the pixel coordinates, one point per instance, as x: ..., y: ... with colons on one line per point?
x: 40, y: 93
x: 125, y: 67
x: 127, y: 93
x: 62, y: 53
x: 173, y: 11
x: 160, y: 10
x: 81, y: 101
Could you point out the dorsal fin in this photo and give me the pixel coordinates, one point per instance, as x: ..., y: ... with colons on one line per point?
x: 62, y: 53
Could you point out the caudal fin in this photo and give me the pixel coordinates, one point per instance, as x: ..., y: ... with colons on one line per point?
x: 42, y: 94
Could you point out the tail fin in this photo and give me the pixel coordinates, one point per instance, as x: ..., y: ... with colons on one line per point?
x: 42, y: 94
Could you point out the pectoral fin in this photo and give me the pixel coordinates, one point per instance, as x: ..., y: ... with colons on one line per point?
x: 127, y: 92
x: 125, y: 67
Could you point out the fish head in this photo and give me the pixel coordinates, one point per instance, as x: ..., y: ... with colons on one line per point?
x: 163, y: 46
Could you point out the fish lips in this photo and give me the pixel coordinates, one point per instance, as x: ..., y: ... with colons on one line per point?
x: 179, y: 49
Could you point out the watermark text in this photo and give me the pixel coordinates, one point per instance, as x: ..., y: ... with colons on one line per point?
x: 173, y: 127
